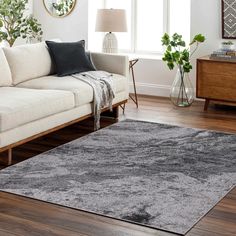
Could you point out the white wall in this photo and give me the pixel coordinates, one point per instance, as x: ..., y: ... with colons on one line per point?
x: 152, y: 75
x: 30, y: 7
x: 71, y: 28
x: 206, y: 19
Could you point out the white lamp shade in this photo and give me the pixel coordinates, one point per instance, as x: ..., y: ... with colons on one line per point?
x: 111, y: 20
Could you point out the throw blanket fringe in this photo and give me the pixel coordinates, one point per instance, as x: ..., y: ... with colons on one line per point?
x: 103, y: 91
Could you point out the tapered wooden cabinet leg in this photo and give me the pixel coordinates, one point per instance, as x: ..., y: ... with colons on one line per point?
x: 206, y: 104
x: 9, y: 157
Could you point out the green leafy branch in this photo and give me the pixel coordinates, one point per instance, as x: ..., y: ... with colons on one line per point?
x: 176, y: 52
x: 13, y: 23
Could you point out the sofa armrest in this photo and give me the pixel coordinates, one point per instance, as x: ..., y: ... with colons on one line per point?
x: 112, y: 63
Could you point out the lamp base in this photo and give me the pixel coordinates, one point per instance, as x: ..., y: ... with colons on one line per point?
x: 110, y: 43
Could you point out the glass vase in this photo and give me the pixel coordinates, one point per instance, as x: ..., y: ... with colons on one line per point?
x: 182, y: 91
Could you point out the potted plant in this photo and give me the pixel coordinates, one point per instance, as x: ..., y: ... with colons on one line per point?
x: 14, y: 24
x: 177, y: 54
x: 227, y: 46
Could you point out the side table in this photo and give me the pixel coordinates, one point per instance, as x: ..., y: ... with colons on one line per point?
x: 132, y: 63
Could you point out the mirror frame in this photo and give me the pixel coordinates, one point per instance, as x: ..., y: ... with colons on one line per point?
x: 56, y: 16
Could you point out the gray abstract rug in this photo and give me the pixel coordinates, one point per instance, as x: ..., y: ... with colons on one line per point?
x: 157, y: 175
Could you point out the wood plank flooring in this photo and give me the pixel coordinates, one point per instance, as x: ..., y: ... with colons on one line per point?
x: 221, y: 220
x: 26, y: 217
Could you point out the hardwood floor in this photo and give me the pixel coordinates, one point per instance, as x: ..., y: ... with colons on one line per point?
x: 26, y: 217
x: 219, y: 221
x: 23, y: 217
x: 218, y: 117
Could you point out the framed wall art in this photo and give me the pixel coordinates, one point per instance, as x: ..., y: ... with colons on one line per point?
x: 229, y: 19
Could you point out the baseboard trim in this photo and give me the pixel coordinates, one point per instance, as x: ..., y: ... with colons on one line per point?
x: 156, y: 90
x: 151, y: 89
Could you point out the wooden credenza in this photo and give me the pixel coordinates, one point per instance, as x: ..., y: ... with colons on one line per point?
x: 216, y: 81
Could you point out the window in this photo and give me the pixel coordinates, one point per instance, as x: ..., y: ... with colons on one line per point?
x: 149, y: 25
x: 179, y: 18
x: 147, y: 22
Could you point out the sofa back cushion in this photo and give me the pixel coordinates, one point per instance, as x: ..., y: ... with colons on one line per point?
x: 5, y: 72
x: 29, y: 61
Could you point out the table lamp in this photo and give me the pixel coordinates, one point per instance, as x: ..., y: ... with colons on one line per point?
x: 111, y: 20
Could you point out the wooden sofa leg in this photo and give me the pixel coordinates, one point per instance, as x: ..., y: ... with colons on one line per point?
x: 9, y: 157
x: 114, y: 114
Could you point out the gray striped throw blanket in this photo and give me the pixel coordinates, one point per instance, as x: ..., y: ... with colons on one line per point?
x: 103, y: 91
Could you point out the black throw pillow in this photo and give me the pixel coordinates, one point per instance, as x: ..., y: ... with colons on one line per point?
x: 69, y: 58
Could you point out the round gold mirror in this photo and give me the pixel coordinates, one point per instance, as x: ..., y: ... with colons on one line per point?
x: 59, y: 8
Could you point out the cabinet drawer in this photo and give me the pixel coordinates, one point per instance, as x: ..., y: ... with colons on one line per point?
x: 218, y: 68
x: 216, y: 80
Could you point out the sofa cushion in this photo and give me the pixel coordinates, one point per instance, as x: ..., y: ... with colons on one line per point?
x: 19, y: 106
x: 29, y: 61
x: 5, y: 72
x: 82, y: 91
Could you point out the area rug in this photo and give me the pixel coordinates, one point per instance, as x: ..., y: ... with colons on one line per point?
x: 157, y: 175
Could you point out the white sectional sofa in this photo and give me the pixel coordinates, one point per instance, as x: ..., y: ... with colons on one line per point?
x: 34, y: 101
